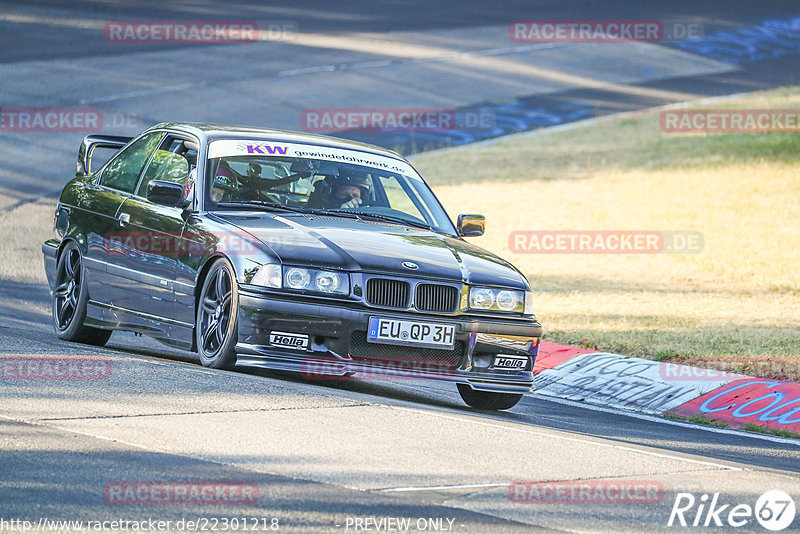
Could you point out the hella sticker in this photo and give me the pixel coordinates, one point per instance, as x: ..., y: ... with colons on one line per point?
x: 288, y: 340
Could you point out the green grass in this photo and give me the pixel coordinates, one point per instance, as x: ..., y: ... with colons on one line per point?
x: 772, y: 431
x: 750, y: 427
x: 698, y: 419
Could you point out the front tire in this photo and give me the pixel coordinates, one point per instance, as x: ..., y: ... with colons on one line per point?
x: 488, y: 400
x: 70, y: 298
x: 217, y: 309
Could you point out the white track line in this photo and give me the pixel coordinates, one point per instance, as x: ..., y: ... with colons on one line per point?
x: 434, y: 488
x: 142, y: 92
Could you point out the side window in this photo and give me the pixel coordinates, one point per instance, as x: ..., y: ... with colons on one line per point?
x: 172, y: 162
x: 124, y: 170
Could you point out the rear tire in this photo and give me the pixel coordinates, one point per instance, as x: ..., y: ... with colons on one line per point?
x: 70, y: 298
x: 488, y: 400
x: 217, y: 310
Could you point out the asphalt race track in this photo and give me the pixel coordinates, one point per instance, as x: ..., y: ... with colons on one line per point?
x: 330, y: 455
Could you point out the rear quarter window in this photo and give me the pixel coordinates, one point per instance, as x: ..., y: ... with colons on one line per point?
x: 123, y: 171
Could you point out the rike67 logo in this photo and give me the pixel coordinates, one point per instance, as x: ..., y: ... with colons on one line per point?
x: 774, y: 510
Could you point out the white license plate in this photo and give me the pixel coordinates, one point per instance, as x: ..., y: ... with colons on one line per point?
x: 418, y: 334
x: 509, y: 362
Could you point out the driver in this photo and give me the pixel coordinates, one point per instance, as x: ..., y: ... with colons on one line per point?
x: 224, y: 185
x: 350, y: 190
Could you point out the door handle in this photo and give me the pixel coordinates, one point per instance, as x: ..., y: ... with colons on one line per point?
x: 124, y: 219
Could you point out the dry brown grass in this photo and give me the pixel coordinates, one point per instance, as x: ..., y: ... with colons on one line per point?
x: 738, y: 299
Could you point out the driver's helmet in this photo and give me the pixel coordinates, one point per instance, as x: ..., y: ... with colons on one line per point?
x: 355, y: 178
x: 223, y: 179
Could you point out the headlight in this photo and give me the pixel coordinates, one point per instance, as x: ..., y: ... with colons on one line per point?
x: 319, y: 281
x: 509, y: 300
x: 297, y: 278
x: 327, y: 282
x: 503, y: 300
x: 268, y: 275
x: 481, y: 298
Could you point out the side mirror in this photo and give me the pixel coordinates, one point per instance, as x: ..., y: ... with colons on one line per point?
x: 166, y: 194
x: 471, y: 225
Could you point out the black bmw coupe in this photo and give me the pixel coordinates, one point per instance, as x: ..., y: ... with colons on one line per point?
x: 287, y: 251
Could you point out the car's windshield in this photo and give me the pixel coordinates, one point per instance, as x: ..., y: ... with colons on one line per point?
x: 339, y: 182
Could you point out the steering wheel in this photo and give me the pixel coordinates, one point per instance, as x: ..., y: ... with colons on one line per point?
x: 269, y: 197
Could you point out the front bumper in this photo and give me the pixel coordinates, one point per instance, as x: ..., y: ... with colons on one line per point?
x: 337, y: 343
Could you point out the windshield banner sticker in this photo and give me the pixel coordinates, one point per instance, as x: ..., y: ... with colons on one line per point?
x: 228, y: 148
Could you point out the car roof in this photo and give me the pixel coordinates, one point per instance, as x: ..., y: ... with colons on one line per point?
x: 213, y: 132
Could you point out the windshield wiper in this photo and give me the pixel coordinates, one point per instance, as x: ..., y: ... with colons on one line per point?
x: 255, y: 204
x: 258, y: 204
x: 388, y: 218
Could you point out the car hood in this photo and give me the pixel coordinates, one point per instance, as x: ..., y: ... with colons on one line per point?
x: 376, y: 247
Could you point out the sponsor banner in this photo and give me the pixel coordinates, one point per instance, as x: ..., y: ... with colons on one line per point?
x: 180, y: 31
x: 587, y: 492
x: 180, y: 493
x: 229, y: 147
x: 55, y: 368
x: 767, y: 403
x: 605, y: 242
x: 614, y: 380
x: 730, y: 121
x: 553, y: 354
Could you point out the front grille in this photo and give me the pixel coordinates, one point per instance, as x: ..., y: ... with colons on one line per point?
x: 361, y: 349
x: 436, y: 298
x: 388, y: 293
